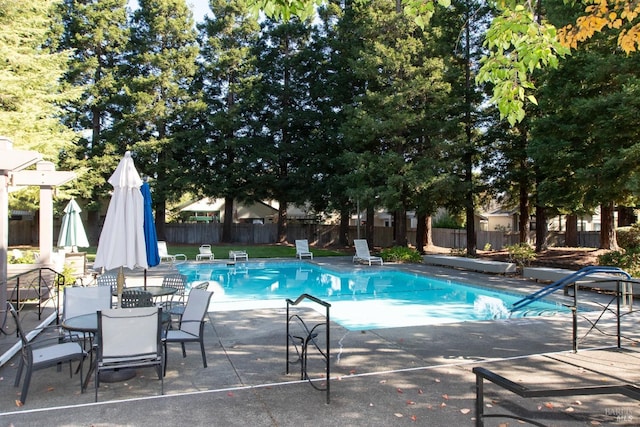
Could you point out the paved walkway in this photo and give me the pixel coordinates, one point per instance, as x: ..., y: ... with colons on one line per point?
x: 413, y: 376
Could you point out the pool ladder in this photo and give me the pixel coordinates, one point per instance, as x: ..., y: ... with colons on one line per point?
x: 305, y: 338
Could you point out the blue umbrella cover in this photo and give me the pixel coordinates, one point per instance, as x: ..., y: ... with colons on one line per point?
x: 150, y: 236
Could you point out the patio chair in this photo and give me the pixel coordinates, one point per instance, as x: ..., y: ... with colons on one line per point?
x: 129, y: 338
x: 108, y: 279
x: 179, y: 282
x: 178, y: 310
x: 302, y: 249
x: 166, y: 256
x: 236, y: 255
x: 205, y: 253
x: 43, y: 354
x: 191, y: 328
x: 133, y: 298
x: 79, y: 301
x: 362, y: 253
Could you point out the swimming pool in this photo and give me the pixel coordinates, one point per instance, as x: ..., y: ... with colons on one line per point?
x: 361, y: 299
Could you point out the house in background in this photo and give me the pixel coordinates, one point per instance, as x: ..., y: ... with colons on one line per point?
x: 212, y: 210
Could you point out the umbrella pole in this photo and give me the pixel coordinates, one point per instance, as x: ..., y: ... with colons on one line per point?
x: 145, y: 279
x: 120, y: 285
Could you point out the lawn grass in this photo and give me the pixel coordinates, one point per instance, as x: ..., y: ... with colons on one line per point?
x: 222, y: 251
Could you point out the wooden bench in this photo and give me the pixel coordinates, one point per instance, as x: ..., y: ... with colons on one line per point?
x: 474, y: 264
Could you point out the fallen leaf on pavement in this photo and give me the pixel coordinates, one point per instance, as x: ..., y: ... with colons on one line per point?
x: 445, y: 396
x: 399, y: 390
x: 465, y: 411
x: 420, y: 391
x: 410, y: 402
x: 398, y: 415
x: 19, y: 403
x: 413, y: 418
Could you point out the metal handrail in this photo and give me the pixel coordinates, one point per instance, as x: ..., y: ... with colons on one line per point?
x: 562, y: 283
x: 310, y: 338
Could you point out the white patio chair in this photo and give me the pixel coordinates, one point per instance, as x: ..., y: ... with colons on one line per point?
x: 205, y: 253
x: 362, y: 253
x: 129, y: 338
x: 43, y: 353
x: 302, y: 249
x: 191, y: 324
x: 166, y: 256
x: 79, y: 301
x: 238, y: 255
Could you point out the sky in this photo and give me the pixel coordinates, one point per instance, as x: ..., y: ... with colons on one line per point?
x: 199, y: 7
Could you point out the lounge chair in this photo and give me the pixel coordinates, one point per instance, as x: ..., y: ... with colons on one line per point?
x: 302, y: 249
x: 362, y: 253
x: 205, y: 253
x: 238, y: 255
x: 166, y: 256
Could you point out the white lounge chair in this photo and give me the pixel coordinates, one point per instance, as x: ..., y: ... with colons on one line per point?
x: 302, y: 249
x: 205, y: 253
x: 362, y: 253
x: 166, y: 256
x: 238, y: 255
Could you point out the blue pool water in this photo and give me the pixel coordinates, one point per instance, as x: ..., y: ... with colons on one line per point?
x: 362, y: 299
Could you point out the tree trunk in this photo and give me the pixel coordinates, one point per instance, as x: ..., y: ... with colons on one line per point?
x: 523, y: 221
x: 421, y: 233
x: 343, y: 236
x: 607, y: 228
x: 424, y: 235
x: 368, y: 229
x: 161, y: 212
x: 541, y: 229
x: 400, y: 225
x: 282, y: 222
x: 228, y: 220
x: 571, y: 234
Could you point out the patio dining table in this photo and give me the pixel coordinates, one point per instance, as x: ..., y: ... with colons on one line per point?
x: 157, y: 292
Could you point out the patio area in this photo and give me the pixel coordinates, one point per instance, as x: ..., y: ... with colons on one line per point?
x: 378, y: 377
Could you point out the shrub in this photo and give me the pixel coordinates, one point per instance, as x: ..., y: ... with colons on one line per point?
x: 521, y: 254
x: 21, y: 257
x: 446, y: 220
x: 458, y: 251
x: 628, y: 260
x: 628, y: 237
x: 401, y: 254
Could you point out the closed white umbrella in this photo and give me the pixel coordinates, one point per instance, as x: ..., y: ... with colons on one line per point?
x: 72, y: 231
x: 122, y: 241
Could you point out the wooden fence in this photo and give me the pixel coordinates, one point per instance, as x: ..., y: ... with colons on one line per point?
x: 26, y: 233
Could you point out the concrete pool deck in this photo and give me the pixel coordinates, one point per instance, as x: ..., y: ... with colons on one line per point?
x: 414, y: 375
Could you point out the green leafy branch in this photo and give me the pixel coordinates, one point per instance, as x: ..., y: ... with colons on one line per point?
x: 518, y: 45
